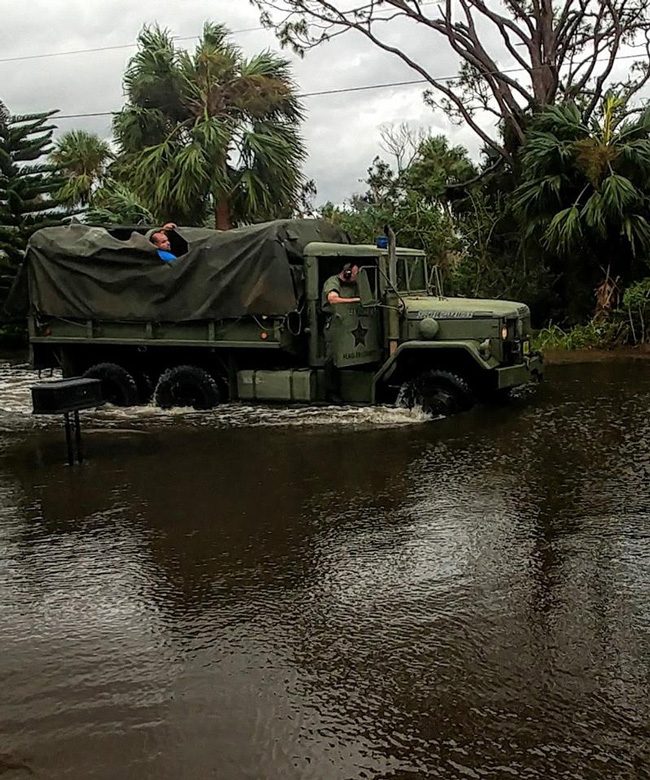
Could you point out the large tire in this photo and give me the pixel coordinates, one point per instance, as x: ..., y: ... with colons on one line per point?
x: 118, y: 385
x: 187, y: 386
x: 438, y: 392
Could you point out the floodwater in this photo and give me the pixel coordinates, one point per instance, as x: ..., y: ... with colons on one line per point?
x: 358, y: 593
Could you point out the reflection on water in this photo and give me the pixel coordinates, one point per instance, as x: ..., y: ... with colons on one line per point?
x: 239, y: 596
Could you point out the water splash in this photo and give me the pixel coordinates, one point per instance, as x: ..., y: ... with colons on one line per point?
x: 15, y: 411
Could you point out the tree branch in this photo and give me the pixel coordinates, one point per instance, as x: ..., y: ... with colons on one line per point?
x: 564, y: 48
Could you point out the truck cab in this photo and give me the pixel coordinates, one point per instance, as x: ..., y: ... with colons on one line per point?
x: 407, y: 340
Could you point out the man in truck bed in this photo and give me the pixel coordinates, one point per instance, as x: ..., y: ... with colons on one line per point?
x: 160, y: 239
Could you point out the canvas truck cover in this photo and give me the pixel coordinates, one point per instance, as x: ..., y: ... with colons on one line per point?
x: 82, y: 272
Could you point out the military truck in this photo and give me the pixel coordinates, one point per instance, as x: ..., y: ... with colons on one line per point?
x: 239, y: 315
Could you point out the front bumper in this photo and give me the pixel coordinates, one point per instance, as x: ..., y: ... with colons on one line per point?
x: 531, y: 370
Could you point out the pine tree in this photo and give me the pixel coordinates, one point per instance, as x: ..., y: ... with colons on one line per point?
x: 27, y: 186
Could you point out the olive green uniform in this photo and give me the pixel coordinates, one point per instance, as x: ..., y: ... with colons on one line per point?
x: 344, y: 290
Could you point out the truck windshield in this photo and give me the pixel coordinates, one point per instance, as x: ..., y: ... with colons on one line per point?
x: 411, y: 273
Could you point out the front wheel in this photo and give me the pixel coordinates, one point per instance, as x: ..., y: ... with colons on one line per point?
x: 438, y: 392
x: 187, y: 386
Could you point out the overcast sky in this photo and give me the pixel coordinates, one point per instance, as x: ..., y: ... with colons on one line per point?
x: 342, y: 131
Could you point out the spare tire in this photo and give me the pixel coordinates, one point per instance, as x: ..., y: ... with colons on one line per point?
x: 187, y: 386
x: 118, y: 385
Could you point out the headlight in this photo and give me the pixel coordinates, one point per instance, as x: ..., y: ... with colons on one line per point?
x: 429, y: 328
x: 504, y: 333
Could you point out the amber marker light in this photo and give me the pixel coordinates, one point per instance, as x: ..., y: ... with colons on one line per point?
x: 264, y: 335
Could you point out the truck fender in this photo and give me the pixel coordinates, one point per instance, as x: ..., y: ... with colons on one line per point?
x: 389, y: 367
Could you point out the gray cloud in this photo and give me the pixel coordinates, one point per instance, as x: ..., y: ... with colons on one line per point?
x: 342, y: 131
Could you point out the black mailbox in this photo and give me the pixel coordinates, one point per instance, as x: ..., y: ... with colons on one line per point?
x: 66, y: 395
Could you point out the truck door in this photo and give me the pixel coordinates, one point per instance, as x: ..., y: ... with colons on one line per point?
x: 355, y: 334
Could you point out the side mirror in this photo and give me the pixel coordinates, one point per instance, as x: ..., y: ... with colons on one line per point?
x: 368, y: 297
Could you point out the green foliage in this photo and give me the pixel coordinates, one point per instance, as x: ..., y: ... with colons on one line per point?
x: 582, y: 197
x: 210, y: 131
x: 587, y: 185
x: 82, y: 158
x: 593, y: 335
x: 115, y: 204
x: 497, y: 261
x: 413, y: 200
x: 436, y: 167
x: 28, y: 186
x: 636, y: 301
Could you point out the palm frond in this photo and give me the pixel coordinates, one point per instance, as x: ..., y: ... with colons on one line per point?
x: 563, y: 120
x: 542, y: 151
x: 136, y: 128
x: 636, y: 230
x: 564, y: 230
x: 636, y: 154
x: 617, y: 194
x: 635, y: 129
x: 270, y: 172
x: 76, y: 190
x: 152, y: 79
x: 192, y: 174
x: 537, y: 194
x: 593, y: 213
x: 114, y: 204
x: 215, y: 34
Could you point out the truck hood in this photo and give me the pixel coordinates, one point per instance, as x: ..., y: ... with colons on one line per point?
x: 420, y: 306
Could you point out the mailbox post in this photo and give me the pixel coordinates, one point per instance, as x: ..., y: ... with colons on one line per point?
x: 68, y: 397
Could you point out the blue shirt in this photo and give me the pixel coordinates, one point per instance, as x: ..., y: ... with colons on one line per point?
x: 166, y: 256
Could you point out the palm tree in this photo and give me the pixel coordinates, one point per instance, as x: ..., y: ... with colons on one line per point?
x: 583, y: 200
x: 210, y: 131
x: 83, y: 159
x: 587, y: 186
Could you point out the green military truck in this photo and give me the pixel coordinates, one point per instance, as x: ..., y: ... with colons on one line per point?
x: 239, y: 316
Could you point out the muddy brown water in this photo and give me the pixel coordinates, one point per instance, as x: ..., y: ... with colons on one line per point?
x: 358, y: 593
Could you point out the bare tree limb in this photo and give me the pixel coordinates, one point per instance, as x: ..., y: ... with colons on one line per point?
x: 560, y: 49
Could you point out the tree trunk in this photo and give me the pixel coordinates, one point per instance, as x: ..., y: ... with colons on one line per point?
x: 222, y: 219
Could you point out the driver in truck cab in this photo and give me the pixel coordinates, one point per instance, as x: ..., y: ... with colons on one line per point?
x: 339, y: 289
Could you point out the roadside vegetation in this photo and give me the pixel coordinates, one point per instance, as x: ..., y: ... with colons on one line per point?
x: 556, y: 212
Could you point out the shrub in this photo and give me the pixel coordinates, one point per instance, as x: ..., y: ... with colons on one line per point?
x: 593, y: 335
x: 636, y: 302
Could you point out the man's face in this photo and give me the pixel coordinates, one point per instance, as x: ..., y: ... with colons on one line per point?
x: 350, y: 276
x: 160, y: 241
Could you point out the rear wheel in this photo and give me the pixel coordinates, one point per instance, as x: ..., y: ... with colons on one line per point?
x: 187, y: 386
x: 118, y: 385
x: 438, y: 392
